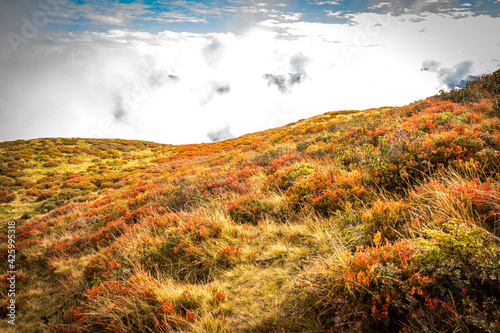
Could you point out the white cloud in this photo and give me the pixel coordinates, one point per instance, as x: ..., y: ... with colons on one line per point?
x: 327, y: 3
x: 380, y: 5
x: 178, y: 87
x: 291, y: 17
x: 334, y: 14
x: 106, y: 19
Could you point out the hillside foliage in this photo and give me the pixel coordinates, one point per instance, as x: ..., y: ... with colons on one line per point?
x: 382, y: 220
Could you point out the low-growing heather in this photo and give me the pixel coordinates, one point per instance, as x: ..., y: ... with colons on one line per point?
x: 445, y: 282
x: 250, y: 208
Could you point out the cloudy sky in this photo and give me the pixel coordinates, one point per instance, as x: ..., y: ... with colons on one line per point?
x: 192, y: 71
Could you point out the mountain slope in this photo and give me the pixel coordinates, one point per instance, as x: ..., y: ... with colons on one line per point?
x: 377, y: 220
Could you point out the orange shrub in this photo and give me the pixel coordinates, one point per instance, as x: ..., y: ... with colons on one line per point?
x: 448, y: 283
x: 327, y: 193
x: 283, y: 161
x: 77, y: 181
x: 51, y: 164
x: 249, y: 208
x: 7, y: 196
x: 470, y: 201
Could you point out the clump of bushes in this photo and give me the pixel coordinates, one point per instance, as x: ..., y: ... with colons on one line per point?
x: 387, y: 217
x: 51, y: 164
x: 326, y: 192
x: 78, y: 181
x: 7, y: 196
x: 287, y: 176
x: 452, y: 196
x: 446, y: 281
x: 45, y: 194
x: 6, y: 182
x: 183, y: 246
x: 249, y: 208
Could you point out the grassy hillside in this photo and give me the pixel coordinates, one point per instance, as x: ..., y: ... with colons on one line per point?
x: 383, y: 220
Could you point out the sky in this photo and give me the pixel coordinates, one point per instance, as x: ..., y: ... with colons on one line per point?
x: 183, y: 72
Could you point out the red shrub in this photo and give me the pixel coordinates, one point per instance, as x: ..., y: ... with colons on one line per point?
x: 248, y: 209
x: 7, y: 196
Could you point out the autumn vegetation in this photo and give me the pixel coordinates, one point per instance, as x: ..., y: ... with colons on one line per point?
x: 382, y: 220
